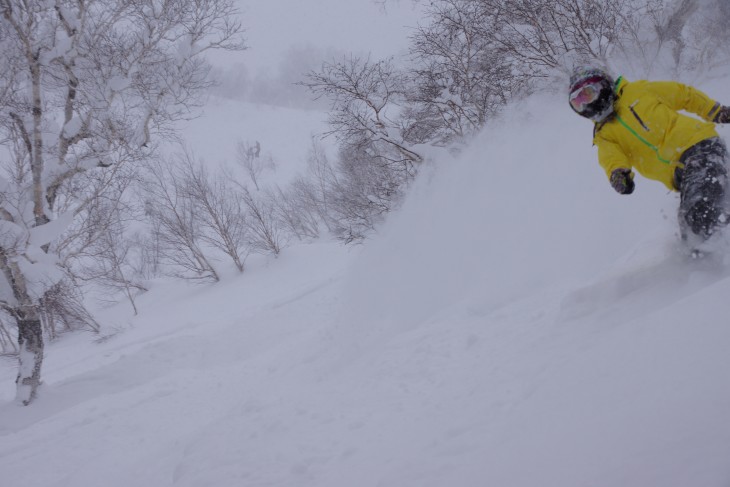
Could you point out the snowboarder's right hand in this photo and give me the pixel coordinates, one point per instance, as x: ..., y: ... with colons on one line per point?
x: 622, y: 180
x: 723, y: 115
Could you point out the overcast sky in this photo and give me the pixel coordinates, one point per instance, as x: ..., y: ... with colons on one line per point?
x: 274, y: 27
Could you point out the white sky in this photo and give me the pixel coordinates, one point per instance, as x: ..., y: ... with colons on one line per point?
x: 360, y: 26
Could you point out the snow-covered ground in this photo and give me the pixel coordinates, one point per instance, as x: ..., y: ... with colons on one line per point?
x: 515, y: 324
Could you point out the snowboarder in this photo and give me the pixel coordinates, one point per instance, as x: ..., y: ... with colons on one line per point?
x: 638, y: 126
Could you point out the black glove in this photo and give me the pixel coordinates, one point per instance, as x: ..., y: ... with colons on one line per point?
x: 622, y: 180
x: 722, y: 115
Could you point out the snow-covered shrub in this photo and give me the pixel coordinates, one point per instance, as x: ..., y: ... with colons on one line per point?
x: 85, y: 85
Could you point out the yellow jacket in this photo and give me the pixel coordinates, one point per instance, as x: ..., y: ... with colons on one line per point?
x: 647, y: 133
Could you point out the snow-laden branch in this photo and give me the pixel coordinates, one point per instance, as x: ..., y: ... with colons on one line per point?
x: 88, y: 84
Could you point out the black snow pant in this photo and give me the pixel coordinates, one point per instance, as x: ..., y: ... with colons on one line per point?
x: 702, y: 182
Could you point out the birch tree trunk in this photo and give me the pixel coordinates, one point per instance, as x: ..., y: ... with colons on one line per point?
x: 30, y: 340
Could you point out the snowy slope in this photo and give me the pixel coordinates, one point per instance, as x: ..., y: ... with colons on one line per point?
x: 515, y: 324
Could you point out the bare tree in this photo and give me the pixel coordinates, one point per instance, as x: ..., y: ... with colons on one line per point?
x: 96, y: 247
x: 221, y: 213
x: 86, y: 84
x: 249, y: 157
x: 321, y: 182
x: 547, y: 35
x: 62, y: 309
x: 102, y: 249
x: 366, y: 190
x: 294, y: 212
x: 176, y: 222
x: 7, y: 331
x: 148, y: 264
x: 265, y: 234
x: 366, y: 97
x: 459, y: 76
x: 308, y: 201
x: 376, y: 161
x: 111, y: 266
x: 349, y: 197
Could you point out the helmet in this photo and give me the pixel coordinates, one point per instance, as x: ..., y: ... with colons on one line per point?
x: 591, y: 93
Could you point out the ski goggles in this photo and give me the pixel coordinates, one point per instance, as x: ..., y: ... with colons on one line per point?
x: 584, y: 95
